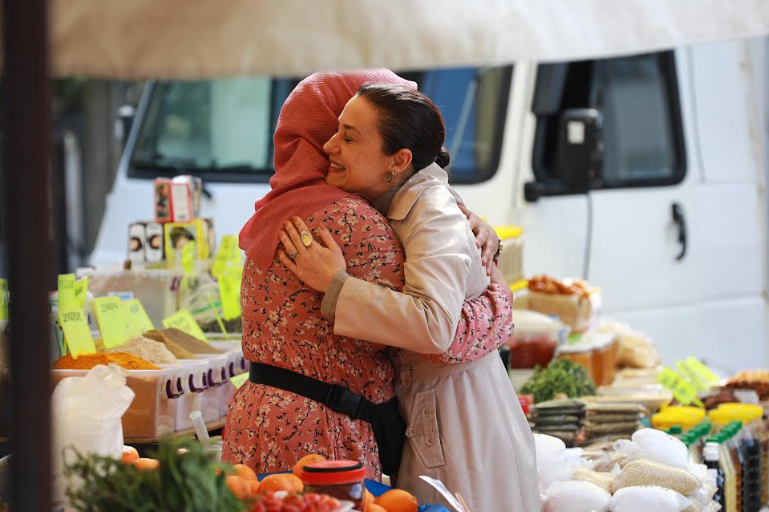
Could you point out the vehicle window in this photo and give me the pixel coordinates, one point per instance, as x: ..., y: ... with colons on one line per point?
x: 220, y: 129
x: 473, y: 102
x: 638, y: 100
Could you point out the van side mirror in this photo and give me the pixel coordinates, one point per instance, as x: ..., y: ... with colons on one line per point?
x: 124, y: 120
x: 580, y: 148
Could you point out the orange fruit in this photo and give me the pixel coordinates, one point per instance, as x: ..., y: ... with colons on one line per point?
x: 373, y: 507
x: 253, y: 487
x: 244, y: 472
x: 238, y: 486
x: 144, y: 463
x: 130, y: 455
x: 397, y: 500
x: 306, y: 461
x: 281, y: 482
x: 368, y: 499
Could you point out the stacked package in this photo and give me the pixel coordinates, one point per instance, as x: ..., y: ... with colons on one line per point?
x: 649, y: 472
x: 177, y: 223
x: 607, y: 421
x: 560, y: 418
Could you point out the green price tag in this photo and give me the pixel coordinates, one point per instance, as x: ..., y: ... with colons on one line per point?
x: 76, y: 331
x: 184, y: 321
x: 188, y: 257
x: 236, y: 255
x: 81, y: 288
x: 3, y: 299
x: 223, y: 255
x: 682, y: 391
x: 67, y: 291
x: 691, y: 377
x: 138, y: 321
x: 700, y: 369
x: 111, y: 317
x: 229, y: 290
x: 239, y: 380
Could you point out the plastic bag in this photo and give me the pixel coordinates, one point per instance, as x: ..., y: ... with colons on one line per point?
x: 575, y: 496
x: 87, y: 414
x: 603, y: 480
x: 646, y: 472
x: 656, y: 446
x: 552, y: 465
x: 647, y: 498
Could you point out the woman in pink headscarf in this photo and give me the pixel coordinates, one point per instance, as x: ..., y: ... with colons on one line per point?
x: 311, y: 391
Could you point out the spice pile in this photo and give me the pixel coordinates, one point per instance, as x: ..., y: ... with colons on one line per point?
x: 181, y: 344
x: 88, y: 361
x: 152, y: 351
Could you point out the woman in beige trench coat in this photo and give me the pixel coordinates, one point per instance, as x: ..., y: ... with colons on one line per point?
x: 465, y: 426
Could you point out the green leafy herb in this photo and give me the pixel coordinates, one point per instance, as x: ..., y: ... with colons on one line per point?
x: 186, y: 482
x: 560, y: 376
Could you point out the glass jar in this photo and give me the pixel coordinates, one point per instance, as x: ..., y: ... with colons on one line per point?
x: 342, y: 479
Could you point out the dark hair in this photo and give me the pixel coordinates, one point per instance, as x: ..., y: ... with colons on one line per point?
x: 408, y: 119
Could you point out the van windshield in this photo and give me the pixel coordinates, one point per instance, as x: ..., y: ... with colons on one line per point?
x: 212, y: 126
x: 222, y: 129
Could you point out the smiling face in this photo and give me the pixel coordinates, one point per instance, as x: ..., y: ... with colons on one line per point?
x: 357, y: 162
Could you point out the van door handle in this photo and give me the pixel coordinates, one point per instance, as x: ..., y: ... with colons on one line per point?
x: 680, y: 220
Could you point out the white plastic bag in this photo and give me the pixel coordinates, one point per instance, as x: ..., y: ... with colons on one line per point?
x: 573, y: 496
x: 648, y: 498
x: 87, y: 414
x: 656, y: 446
x: 552, y: 465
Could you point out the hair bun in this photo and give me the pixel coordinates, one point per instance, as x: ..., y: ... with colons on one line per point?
x: 444, y: 158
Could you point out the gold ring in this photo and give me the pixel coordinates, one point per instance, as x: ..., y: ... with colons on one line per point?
x: 306, y: 238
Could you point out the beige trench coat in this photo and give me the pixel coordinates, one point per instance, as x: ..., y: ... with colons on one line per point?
x: 465, y: 426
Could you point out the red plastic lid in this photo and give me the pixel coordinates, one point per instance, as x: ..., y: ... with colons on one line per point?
x: 333, y: 472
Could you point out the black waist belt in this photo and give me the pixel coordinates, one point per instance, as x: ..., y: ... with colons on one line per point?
x: 389, y: 428
x: 337, y: 397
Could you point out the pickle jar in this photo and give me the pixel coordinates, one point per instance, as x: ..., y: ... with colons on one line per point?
x: 342, y: 479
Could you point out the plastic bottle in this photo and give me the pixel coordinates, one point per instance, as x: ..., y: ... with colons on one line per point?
x: 712, y: 457
x: 730, y: 476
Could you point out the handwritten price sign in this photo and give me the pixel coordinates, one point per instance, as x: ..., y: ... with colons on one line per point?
x: 111, y: 317
x: 76, y: 331
x: 184, y: 321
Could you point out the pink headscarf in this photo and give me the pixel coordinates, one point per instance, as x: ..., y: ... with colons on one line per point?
x: 307, y: 120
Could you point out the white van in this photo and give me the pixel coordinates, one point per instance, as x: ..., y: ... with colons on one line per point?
x: 672, y: 226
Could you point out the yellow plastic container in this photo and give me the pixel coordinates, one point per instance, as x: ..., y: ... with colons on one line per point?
x: 685, y: 417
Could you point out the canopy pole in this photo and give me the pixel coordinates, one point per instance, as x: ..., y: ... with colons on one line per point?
x: 26, y: 128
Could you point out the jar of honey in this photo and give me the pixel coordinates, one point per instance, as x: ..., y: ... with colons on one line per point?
x: 342, y: 479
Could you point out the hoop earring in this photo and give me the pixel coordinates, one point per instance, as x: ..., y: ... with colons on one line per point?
x: 389, y: 176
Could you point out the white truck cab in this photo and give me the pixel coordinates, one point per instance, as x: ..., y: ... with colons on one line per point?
x: 663, y: 207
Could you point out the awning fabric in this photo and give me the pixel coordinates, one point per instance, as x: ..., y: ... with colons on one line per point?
x: 205, y: 38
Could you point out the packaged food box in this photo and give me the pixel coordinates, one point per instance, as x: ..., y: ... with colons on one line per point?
x: 535, y: 340
x: 152, y: 412
x: 575, y: 311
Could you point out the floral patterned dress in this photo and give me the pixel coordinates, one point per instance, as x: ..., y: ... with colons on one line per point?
x: 270, y: 429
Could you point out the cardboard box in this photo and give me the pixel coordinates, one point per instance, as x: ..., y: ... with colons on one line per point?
x: 137, y: 241
x: 162, y: 189
x: 182, y: 199
x: 153, y: 250
x: 178, y: 234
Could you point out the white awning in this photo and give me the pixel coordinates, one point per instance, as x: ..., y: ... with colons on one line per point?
x: 205, y: 38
